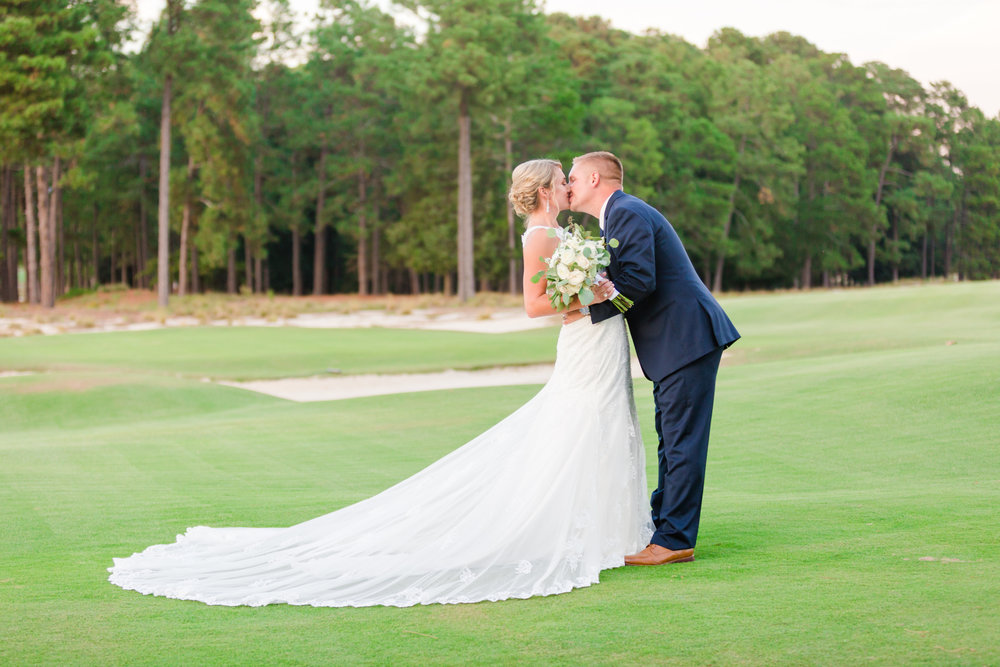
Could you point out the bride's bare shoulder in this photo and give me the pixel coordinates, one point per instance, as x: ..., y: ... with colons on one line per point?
x: 539, y: 235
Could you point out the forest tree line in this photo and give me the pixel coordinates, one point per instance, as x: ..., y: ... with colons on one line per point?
x: 231, y: 148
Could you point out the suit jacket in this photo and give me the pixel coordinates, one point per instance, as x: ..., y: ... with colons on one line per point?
x: 675, y: 319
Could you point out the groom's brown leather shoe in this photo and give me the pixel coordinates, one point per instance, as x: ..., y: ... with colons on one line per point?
x: 654, y: 554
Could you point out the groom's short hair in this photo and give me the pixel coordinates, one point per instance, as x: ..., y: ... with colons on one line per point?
x: 608, y: 165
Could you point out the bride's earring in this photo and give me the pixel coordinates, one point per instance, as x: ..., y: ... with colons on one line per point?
x: 546, y: 205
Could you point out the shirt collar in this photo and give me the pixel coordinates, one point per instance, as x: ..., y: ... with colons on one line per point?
x: 604, y: 207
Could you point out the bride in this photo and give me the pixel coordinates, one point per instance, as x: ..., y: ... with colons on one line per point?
x: 539, y: 504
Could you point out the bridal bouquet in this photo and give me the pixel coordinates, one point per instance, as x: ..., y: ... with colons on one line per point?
x: 574, y: 268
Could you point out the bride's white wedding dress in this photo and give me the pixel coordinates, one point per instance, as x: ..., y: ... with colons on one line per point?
x: 539, y: 504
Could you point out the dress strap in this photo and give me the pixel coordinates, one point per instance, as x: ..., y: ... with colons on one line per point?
x: 524, y: 236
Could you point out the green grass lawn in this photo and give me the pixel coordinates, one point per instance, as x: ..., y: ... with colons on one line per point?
x: 852, y: 511
x: 244, y: 353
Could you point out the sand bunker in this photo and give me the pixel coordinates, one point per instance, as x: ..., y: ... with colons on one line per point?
x: 304, y: 390
x: 331, y: 388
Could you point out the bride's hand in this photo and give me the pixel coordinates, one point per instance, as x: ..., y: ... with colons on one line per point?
x: 603, y: 291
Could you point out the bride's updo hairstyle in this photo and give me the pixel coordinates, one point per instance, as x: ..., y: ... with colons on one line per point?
x: 526, y: 178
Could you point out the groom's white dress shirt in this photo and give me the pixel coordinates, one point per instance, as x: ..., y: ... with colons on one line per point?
x: 600, y: 221
x: 604, y: 206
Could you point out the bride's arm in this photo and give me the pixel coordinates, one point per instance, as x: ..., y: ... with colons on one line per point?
x: 536, y: 301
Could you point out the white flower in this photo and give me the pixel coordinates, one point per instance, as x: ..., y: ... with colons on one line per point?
x: 582, y: 261
x: 576, y: 278
x: 563, y: 271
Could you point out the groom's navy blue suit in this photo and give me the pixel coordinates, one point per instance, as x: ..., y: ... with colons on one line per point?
x: 679, y: 331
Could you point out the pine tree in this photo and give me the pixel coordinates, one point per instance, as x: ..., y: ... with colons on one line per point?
x: 466, y: 50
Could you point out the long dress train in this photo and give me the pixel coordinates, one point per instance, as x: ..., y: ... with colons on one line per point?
x: 539, y: 504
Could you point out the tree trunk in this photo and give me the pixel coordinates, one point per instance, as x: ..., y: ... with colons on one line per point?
x: 111, y: 256
x: 923, y: 257
x: 414, y: 282
x: 95, y: 255
x: 466, y: 269
x: 4, y: 222
x: 137, y: 254
x: 31, y: 230
x: 873, y: 238
x: 720, y: 260
x: 895, y: 251
x: 143, y: 219
x: 296, y: 262
x: 931, y: 261
x: 949, y: 242
x: 807, y: 268
x: 125, y: 260
x: 58, y: 234
x: 378, y: 283
x: 182, y: 254
x: 958, y: 243
x: 247, y: 264
x: 8, y: 250
x: 514, y: 264
x: 258, y: 199
x: 336, y: 276
x: 871, y: 260
x: 77, y: 261
x: 72, y: 259
x: 46, y: 239
x: 319, y: 256
x: 18, y: 205
x: 163, y: 212
x: 362, y: 232
x: 182, y: 277
x: 727, y: 225
x: 799, y: 282
x: 195, y: 273
x: 231, y: 269
x: 296, y: 243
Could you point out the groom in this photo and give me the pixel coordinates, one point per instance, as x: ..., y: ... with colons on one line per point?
x: 679, y: 331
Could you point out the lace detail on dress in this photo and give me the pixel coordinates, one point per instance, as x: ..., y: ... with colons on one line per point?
x: 533, y: 506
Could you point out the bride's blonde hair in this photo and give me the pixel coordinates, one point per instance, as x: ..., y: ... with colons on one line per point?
x: 526, y: 179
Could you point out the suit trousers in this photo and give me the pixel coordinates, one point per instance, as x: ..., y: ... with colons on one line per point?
x: 684, y: 401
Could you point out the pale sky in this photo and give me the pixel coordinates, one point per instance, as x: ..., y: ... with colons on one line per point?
x: 932, y: 40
